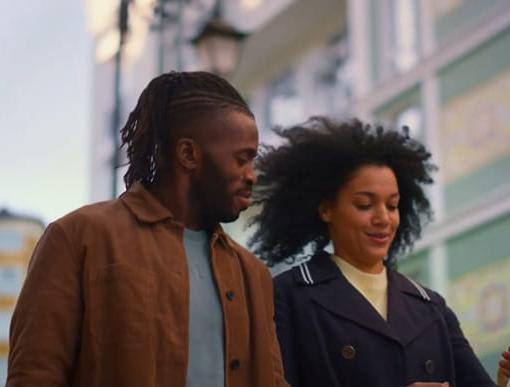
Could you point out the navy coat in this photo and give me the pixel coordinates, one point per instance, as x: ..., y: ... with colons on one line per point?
x: 331, y: 336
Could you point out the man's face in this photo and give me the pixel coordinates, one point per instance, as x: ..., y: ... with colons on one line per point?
x: 224, y: 184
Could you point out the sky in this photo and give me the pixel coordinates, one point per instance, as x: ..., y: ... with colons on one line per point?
x: 45, y: 107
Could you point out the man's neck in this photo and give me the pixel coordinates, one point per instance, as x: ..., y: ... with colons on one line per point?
x: 174, y: 194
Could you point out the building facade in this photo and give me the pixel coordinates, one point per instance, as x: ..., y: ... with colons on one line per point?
x: 18, y: 237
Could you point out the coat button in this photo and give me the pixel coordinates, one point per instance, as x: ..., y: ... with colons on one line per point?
x: 429, y: 367
x: 348, y: 352
x: 234, y: 364
x: 230, y: 295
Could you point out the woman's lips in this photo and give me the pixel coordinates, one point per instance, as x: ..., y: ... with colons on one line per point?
x: 379, y: 238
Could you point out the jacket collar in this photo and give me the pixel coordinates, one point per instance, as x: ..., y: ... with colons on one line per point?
x: 408, y: 303
x: 147, y: 209
x: 144, y: 206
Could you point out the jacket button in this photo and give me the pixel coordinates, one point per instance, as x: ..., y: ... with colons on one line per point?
x: 230, y: 295
x: 348, y: 352
x: 234, y: 364
x: 429, y: 367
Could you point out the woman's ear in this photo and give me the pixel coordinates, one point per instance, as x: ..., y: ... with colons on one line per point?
x: 325, y: 211
x: 188, y: 153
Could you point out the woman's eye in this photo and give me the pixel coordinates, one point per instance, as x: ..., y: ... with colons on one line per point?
x: 363, y: 206
x: 392, y: 207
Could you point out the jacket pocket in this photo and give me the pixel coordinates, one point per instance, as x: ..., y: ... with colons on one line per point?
x: 121, y: 304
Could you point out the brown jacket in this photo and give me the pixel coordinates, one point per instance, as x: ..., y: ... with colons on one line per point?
x: 105, y: 303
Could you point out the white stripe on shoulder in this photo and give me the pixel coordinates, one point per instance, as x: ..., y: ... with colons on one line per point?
x: 308, y: 273
x: 303, y: 274
x: 419, y: 288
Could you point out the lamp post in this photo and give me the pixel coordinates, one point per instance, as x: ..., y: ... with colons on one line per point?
x: 117, y: 103
x: 166, y: 14
x: 219, y: 43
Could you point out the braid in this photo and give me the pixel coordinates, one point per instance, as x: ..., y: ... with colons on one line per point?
x: 166, y: 101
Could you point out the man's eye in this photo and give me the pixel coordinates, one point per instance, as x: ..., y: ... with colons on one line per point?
x: 241, y: 160
x: 362, y: 206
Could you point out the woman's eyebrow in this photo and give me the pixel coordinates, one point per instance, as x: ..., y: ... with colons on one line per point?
x: 372, y: 194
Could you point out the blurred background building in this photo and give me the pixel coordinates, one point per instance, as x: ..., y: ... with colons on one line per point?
x: 442, y: 67
x: 18, y: 236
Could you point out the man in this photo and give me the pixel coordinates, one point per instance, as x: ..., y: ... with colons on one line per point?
x: 147, y: 290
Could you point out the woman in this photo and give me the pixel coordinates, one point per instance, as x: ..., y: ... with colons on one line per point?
x: 348, y: 318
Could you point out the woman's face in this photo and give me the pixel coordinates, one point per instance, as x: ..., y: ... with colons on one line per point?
x: 363, y: 217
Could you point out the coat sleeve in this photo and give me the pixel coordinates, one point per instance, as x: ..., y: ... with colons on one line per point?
x: 275, y: 348
x: 44, y: 334
x: 285, y: 331
x: 468, y: 369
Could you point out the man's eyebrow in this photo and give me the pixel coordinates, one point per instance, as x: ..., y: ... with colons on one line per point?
x: 250, y: 152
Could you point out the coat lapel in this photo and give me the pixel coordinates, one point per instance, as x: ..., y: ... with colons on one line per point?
x: 409, y: 312
x: 335, y: 294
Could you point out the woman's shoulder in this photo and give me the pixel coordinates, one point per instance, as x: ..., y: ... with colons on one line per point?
x: 285, y: 277
x: 308, y: 272
x: 414, y: 288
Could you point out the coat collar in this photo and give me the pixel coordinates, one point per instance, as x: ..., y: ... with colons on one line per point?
x: 320, y: 268
x: 409, y: 311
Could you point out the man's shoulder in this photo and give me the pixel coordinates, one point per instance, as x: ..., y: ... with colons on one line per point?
x: 98, y: 214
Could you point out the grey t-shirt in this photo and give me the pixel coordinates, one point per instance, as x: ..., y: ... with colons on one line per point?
x: 206, y: 341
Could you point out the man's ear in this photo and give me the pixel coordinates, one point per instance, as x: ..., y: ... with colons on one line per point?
x: 325, y: 211
x: 188, y: 154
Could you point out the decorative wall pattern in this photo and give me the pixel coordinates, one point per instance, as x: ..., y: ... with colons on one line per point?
x: 481, y: 301
x: 475, y: 128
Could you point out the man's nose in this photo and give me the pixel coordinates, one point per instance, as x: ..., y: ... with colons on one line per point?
x: 250, y: 175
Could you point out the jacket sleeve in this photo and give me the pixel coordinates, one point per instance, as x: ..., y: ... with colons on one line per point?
x: 285, y: 332
x: 468, y: 369
x: 44, y: 334
x: 275, y: 348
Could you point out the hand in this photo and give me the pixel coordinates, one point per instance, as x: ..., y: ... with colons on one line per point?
x: 423, y: 384
x: 504, y: 363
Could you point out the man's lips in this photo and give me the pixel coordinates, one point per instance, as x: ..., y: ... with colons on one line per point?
x: 245, y: 197
x: 245, y: 194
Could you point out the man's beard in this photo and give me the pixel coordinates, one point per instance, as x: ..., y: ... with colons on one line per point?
x: 211, y: 195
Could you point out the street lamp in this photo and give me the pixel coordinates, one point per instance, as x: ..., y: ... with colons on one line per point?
x: 219, y: 44
x: 117, y: 108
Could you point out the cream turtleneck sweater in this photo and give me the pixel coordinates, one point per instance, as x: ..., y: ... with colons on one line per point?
x: 374, y: 287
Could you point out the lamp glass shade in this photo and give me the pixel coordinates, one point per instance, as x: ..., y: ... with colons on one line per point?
x: 219, y: 53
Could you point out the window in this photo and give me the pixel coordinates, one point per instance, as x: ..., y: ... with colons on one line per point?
x: 412, y: 118
x: 398, y: 35
x: 333, y: 79
x: 284, y: 106
x: 405, y: 34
